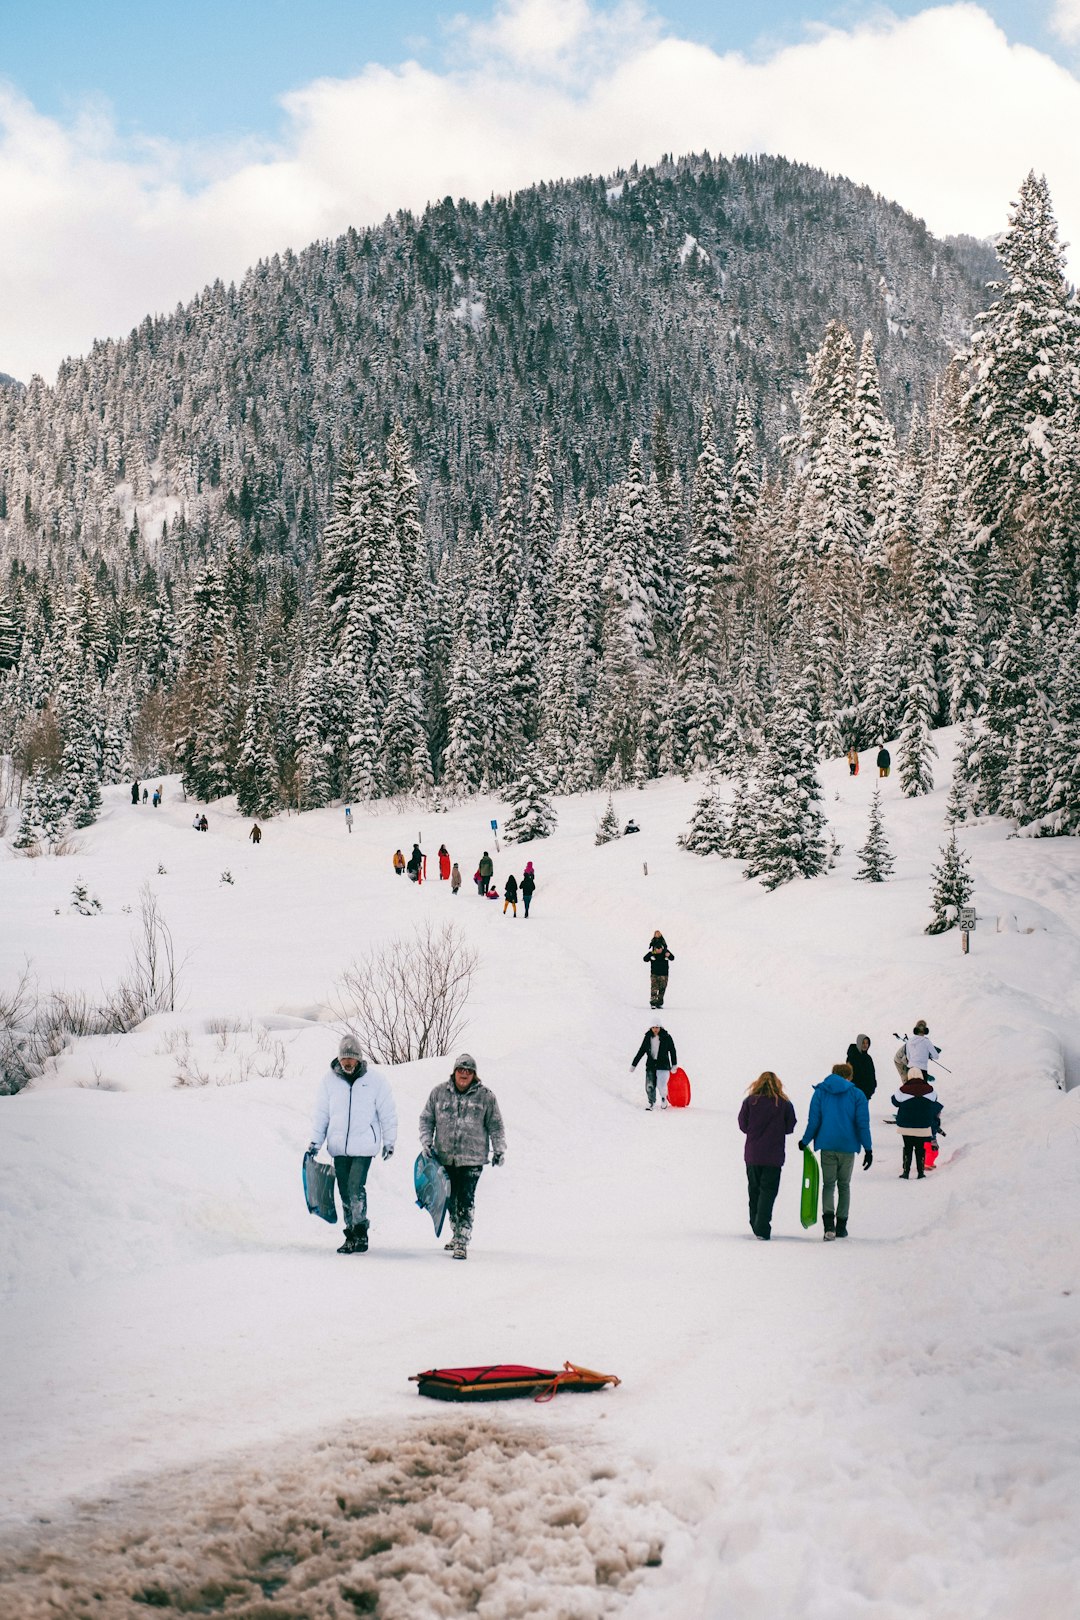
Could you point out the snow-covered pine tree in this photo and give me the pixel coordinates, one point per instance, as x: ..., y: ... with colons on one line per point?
x: 258, y: 783
x: 876, y: 860
x: 531, y: 815
x: 916, y: 743
x: 953, y: 886
x: 608, y: 826
x: 706, y: 633
x: 788, y: 839
x: 363, y: 780
x: 707, y: 833
x: 1019, y: 411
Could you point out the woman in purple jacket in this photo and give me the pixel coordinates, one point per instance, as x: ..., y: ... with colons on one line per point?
x: 767, y: 1119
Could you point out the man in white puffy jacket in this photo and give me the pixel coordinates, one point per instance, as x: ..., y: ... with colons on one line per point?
x: 356, y: 1117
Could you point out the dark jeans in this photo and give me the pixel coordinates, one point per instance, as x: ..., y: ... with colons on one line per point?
x: 463, y: 1179
x: 763, y: 1184
x: 351, y: 1176
x: 657, y: 987
x: 916, y: 1145
x: 525, y: 901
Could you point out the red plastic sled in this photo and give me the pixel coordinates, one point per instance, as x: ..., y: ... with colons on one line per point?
x: 506, y: 1382
x: 930, y: 1153
x: 678, y: 1089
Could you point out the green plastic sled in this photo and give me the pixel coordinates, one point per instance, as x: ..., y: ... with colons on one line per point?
x: 811, y: 1186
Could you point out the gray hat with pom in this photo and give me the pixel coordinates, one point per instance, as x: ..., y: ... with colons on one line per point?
x: 349, y: 1047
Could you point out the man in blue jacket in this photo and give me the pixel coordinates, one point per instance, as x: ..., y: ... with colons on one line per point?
x: 838, y: 1126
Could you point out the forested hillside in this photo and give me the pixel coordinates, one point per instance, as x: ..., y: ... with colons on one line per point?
x: 594, y: 483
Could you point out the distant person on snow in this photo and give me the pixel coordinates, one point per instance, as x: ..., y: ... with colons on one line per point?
x: 156, y: 800
x: 658, y: 956
x: 862, y: 1066
x: 884, y: 760
x: 767, y: 1119
x: 444, y: 863
x: 528, y: 886
x: 459, y: 1123
x: 415, y: 867
x: 134, y: 792
x: 838, y: 1126
x: 348, y: 817
x: 919, y: 1049
x: 256, y: 834
x: 455, y: 878
x: 631, y: 827
x: 918, y: 1119
x: 485, y: 869
x: 356, y: 1117
x: 853, y: 761
x: 510, y: 894
x: 145, y: 794
x: 658, y: 1050
x: 399, y: 862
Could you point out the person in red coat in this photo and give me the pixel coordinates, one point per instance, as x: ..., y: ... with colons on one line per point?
x: 444, y: 862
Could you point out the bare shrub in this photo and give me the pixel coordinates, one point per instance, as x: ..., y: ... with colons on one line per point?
x: 406, y: 1000
x: 36, y: 1027
x: 151, y: 981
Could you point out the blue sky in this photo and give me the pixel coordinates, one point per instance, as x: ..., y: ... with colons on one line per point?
x: 211, y: 68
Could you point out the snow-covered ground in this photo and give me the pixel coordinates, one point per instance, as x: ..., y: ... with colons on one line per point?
x: 205, y: 1408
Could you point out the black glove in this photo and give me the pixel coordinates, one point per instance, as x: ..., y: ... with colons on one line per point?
x: 498, y: 1159
x: 867, y: 1159
x: 312, y: 1149
x: 387, y: 1152
x: 802, y: 1147
x: 942, y: 1132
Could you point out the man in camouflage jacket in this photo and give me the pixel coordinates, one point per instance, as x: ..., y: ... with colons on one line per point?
x: 460, y: 1122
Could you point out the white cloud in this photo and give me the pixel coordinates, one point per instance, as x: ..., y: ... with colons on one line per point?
x: 938, y: 111
x: 1065, y: 21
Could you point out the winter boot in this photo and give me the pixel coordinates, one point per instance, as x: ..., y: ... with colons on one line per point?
x: 841, y: 1226
x: 459, y: 1249
x: 663, y: 1102
x: 360, y: 1239
x: 828, y: 1221
x: 350, y: 1241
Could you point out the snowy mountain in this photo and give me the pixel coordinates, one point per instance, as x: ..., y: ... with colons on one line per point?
x: 204, y: 1405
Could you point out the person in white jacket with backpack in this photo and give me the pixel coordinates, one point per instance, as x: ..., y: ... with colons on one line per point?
x: 356, y: 1118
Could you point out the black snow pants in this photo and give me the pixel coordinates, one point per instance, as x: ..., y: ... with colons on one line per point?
x: 763, y: 1184
x: 463, y: 1179
x: 916, y: 1145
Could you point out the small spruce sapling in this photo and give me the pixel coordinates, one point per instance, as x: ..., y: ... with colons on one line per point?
x: 875, y: 857
x: 953, y: 886
x: 83, y: 901
x: 607, y: 827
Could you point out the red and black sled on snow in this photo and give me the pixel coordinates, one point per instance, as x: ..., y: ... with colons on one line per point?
x: 506, y: 1382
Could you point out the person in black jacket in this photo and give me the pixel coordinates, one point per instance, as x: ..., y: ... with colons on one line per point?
x: 510, y: 894
x: 884, y: 760
x: 658, y: 1050
x: 862, y: 1066
x: 918, y: 1119
x: 658, y: 956
x: 528, y: 886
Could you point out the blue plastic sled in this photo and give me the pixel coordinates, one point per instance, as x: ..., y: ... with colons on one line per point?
x: 432, y: 1188
x: 319, y: 1189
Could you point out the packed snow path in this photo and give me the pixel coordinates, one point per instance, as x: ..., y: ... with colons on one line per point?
x: 882, y: 1427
